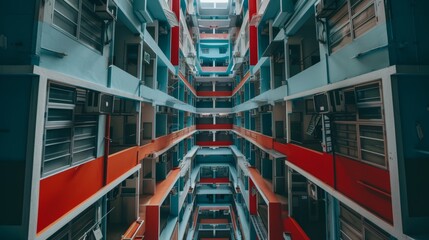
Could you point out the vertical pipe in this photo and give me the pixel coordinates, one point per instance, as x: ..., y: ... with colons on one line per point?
x: 106, y: 148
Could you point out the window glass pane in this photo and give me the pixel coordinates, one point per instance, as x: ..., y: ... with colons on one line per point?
x: 84, y: 155
x: 351, y: 218
x: 82, y: 144
x: 68, y: 9
x: 348, y: 233
x: 346, y: 139
x: 66, y: 16
x: 58, y: 135
x: 60, y: 114
x: 56, y: 164
x: 83, y: 223
x: 85, y: 131
x: 369, y: 93
x: 57, y: 150
x: 370, y: 113
x: 364, y: 22
x: 59, y: 94
x: 370, y: 235
x: 372, y: 144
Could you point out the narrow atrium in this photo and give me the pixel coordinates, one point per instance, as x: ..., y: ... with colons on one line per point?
x: 214, y: 119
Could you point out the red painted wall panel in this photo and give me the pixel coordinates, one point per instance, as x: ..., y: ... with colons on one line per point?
x: 121, y: 162
x: 253, y: 43
x: 62, y: 192
x: 214, y: 126
x: 275, y: 231
x: 152, y: 222
x: 175, y: 7
x: 253, y: 204
x: 367, y: 185
x: 214, y: 180
x: 293, y: 228
x: 320, y: 165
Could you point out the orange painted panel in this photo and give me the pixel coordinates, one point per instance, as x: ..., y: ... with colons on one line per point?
x: 242, y: 82
x: 264, y: 141
x: 163, y: 188
x: 214, y: 69
x: 62, y: 192
x: 121, y: 162
x: 152, y: 223
x: 162, y: 142
x: 261, y: 186
x: 186, y: 82
x: 211, y: 36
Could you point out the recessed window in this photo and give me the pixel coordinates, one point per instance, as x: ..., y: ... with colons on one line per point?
x: 70, y: 138
x: 77, y: 18
x: 352, y: 19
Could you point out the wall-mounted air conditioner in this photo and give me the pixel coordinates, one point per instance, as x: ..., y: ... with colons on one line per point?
x: 105, y: 10
x: 324, y: 8
x: 266, y: 108
x: 162, y: 109
x: 253, y: 112
x: 312, y: 190
x: 322, y: 103
x: 98, y: 103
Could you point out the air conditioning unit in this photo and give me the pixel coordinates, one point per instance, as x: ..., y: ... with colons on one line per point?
x: 312, y: 190
x: 339, y: 100
x: 324, y: 8
x: 162, y: 109
x: 253, y: 112
x: 266, y: 108
x: 99, y: 103
x: 105, y: 10
x: 322, y: 103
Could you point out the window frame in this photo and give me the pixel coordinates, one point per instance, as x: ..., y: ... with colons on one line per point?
x: 351, y: 16
x: 358, y: 123
x: 72, y: 125
x: 77, y: 35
